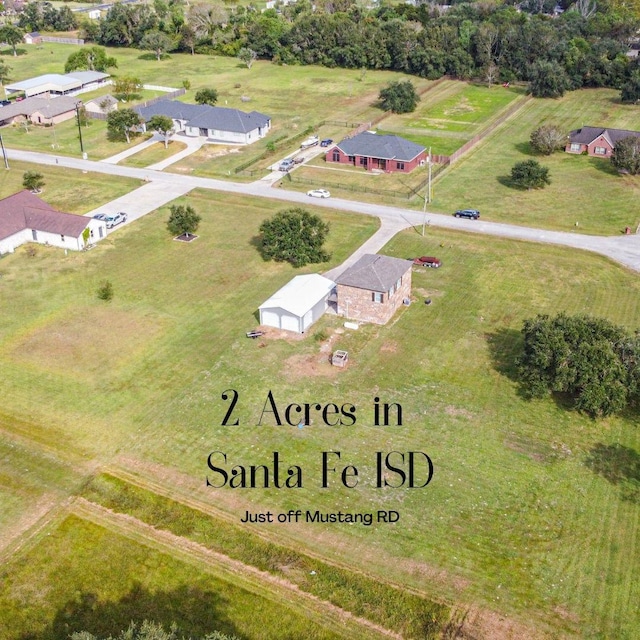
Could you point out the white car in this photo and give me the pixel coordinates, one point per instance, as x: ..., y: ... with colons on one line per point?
x: 319, y: 193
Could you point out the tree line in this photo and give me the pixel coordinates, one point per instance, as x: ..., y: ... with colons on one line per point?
x: 583, y: 47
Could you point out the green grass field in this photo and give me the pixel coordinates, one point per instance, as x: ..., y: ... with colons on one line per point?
x: 451, y: 114
x: 515, y: 522
x: 83, y: 576
x: 154, y: 153
x: 583, y: 189
x: 69, y: 191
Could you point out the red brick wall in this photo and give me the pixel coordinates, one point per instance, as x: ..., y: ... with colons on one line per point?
x: 374, y: 163
x: 600, y: 142
x: 357, y: 304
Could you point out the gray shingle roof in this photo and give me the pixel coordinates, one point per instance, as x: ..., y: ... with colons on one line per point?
x: 374, y: 272
x: 387, y: 147
x: 24, y: 210
x: 586, y: 135
x: 206, y: 117
x: 49, y: 107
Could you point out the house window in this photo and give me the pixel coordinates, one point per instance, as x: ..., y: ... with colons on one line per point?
x: 363, y: 161
x: 600, y: 151
x: 352, y: 159
x: 398, y: 283
x: 400, y: 166
x: 34, y: 235
x: 575, y: 146
x: 61, y: 238
x: 392, y: 290
x: 377, y: 297
x: 336, y: 156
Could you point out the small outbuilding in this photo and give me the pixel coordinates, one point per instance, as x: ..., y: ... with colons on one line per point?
x: 298, y: 304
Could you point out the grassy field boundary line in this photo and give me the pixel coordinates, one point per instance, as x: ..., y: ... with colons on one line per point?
x: 184, y: 548
x: 472, y: 145
x: 207, y: 509
x: 33, y: 528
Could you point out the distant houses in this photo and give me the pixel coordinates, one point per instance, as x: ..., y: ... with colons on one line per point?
x: 371, y: 151
x: 596, y: 141
x: 218, y: 124
x: 26, y: 218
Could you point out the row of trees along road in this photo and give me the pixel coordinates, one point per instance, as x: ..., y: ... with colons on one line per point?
x: 584, y: 46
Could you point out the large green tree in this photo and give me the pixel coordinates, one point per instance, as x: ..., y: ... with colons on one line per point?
x: 206, y: 96
x: 163, y: 125
x: 530, y: 174
x: 631, y: 89
x: 399, y: 97
x: 183, y: 220
x: 626, y: 155
x: 591, y: 360
x: 156, y: 41
x: 295, y: 236
x: 547, y: 139
x: 12, y: 36
x: 123, y: 124
x: 90, y: 59
x: 547, y: 79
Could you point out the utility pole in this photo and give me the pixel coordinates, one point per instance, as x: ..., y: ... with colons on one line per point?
x: 427, y: 197
x: 4, y: 153
x: 79, y: 128
x: 429, y: 175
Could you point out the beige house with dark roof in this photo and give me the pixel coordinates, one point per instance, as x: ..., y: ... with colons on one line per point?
x: 374, y: 288
x: 26, y: 218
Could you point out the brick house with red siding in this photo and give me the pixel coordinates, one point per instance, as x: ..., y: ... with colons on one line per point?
x: 596, y: 141
x: 372, y: 151
x: 374, y: 288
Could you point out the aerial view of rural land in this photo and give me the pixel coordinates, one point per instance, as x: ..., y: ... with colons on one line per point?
x: 320, y: 320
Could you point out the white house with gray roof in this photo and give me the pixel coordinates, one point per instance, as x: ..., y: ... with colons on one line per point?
x: 370, y: 151
x: 218, y: 124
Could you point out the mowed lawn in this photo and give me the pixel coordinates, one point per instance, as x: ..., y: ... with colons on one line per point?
x: 450, y: 114
x: 296, y: 97
x: 84, y: 577
x: 583, y: 190
x: 67, y: 190
x: 515, y: 520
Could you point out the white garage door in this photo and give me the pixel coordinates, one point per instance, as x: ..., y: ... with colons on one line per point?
x: 270, y: 318
x: 291, y: 323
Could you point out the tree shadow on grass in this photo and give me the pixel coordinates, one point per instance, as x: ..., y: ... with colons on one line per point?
x: 195, y: 611
x: 603, y: 165
x: 620, y: 466
x: 505, y: 345
x: 525, y: 148
x: 506, y: 181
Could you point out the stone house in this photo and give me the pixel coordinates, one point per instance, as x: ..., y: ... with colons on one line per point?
x: 374, y: 288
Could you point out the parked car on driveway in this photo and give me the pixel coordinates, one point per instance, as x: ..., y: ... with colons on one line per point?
x: 298, y: 160
x: 326, y: 142
x: 285, y: 165
x: 319, y: 193
x: 309, y: 142
x: 428, y: 261
x: 116, y: 219
x: 472, y: 214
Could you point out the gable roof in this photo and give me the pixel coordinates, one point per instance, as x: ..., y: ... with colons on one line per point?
x: 300, y: 294
x: 586, y: 135
x: 48, y: 107
x: 205, y: 116
x: 374, y: 272
x: 108, y: 100
x: 24, y: 210
x: 387, y: 147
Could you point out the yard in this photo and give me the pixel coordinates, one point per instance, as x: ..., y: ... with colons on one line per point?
x: 516, y: 522
x: 583, y: 190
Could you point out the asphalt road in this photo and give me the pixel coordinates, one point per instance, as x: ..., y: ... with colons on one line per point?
x: 624, y: 249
